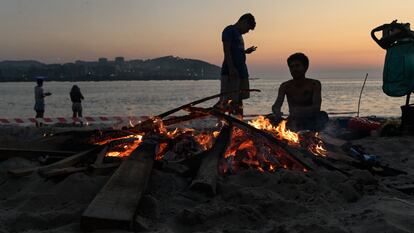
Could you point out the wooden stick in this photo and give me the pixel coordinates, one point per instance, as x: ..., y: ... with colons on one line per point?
x: 206, y: 179
x: 329, y: 113
x: 360, y: 94
x: 145, y: 124
x: 6, y: 153
x: 62, y: 171
x: 69, y: 161
x: 100, y: 157
x: 115, y: 205
x: 167, y: 113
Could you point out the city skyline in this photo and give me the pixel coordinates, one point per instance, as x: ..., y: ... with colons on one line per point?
x: 334, y: 35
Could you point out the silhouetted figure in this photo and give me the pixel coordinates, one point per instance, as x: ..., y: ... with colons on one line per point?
x: 303, y: 97
x: 76, y: 97
x: 234, y: 73
x: 39, y: 101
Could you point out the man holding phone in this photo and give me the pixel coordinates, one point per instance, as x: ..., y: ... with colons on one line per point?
x: 234, y: 73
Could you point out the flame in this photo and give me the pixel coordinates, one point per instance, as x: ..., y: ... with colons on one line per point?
x: 286, y: 134
x: 314, y: 143
x: 317, y: 150
x: 279, y: 131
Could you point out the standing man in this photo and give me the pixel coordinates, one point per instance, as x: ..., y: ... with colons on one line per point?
x: 303, y: 97
x: 39, y: 101
x: 234, y: 74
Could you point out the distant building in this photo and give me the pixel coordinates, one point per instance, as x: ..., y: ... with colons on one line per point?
x: 119, y: 60
x: 102, y: 60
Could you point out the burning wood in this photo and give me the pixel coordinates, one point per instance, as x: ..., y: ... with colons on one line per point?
x: 279, y: 131
x: 292, y: 161
x: 206, y: 178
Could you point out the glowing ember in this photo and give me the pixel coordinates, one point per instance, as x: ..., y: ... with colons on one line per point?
x: 108, y: 140
x: 162, y: 148
x: 113, y: 154
x: 124, y: 149
x: 206, y: 139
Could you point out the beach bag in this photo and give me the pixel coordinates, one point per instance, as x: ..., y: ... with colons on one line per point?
x: 398, y: 74
x: 364, y: 125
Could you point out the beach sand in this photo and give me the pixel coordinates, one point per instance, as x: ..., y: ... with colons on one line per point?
x: 249, y: 201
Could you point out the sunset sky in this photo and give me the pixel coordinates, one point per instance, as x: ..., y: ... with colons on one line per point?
x: 334, y: 34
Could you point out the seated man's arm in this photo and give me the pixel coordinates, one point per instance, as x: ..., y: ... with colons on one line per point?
x: 276, y: 108
x: 316, y: 103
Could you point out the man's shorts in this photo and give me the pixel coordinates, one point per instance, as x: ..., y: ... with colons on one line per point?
x: 235, y: 84
x: 39, y: 107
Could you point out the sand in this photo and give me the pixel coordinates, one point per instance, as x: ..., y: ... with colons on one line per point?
x: 249, y: 201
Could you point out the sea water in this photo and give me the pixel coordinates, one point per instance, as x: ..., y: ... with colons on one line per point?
x: 146, y: 98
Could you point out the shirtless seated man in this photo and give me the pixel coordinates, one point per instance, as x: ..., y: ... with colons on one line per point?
x: 303, y: 97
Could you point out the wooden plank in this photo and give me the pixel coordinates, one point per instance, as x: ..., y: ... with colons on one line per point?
x: 69, y: 161
x: 7, y: 153
x: 328, y: 139
x: 115, y: 205
x: 206, y: 179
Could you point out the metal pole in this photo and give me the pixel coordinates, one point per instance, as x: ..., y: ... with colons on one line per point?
x: 360, y: 94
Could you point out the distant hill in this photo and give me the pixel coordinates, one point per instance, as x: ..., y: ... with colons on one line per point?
x: 162, y: 68
x: 20, y: 64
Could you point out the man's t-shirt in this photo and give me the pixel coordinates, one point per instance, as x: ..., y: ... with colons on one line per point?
x: 234, y: 37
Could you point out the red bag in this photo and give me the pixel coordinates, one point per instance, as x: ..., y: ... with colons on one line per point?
x: 362, y: 124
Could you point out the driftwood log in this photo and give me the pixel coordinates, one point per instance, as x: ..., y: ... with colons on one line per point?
x: 206, y: 179
x: 116, y: 204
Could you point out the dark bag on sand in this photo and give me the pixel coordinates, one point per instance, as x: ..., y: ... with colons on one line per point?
x: 398, y: 74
